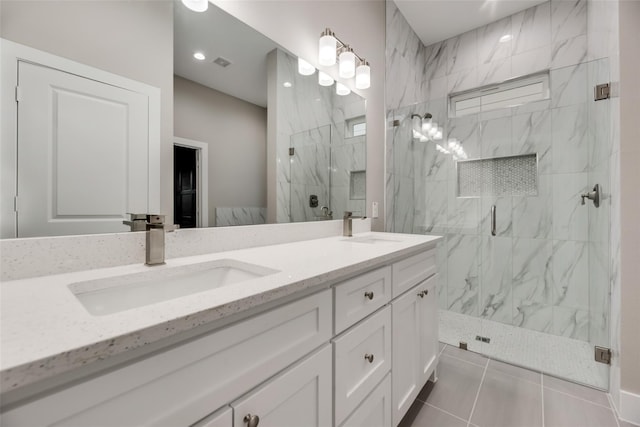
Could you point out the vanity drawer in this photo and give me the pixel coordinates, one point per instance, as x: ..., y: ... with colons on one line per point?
x: 185, y: 383
x: 375, y: 410
x: 357, y: 298
x: 362, y: 358
x: 413, y: 270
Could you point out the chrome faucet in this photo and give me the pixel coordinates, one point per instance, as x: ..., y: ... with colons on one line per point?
x: 155, y: 227
x: 347, y: 226
x: 326, y: 213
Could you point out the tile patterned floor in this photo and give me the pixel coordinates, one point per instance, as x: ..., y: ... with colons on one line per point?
x: 475, y: 391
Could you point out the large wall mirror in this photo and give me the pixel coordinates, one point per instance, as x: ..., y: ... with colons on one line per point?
x: 234, y: 92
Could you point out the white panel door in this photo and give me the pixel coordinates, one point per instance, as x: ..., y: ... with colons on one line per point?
x: 82, y: 153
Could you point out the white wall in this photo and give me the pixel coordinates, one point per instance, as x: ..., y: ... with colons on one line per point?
x: 296, y: 25
x: 630, y: 198
x: 131, y: 39
x: 236, y: 132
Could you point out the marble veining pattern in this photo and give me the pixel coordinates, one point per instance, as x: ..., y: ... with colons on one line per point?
x: 240, y: 216
x: 548, y: 269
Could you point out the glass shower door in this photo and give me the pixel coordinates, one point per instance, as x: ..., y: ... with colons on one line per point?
x: 535, y: 292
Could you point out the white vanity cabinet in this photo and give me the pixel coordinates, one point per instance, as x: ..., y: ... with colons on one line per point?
x: 415, y: 343
x: 185, y: 383
x: 355, y: 353
x: 221, y: 418
x: 301, y: 396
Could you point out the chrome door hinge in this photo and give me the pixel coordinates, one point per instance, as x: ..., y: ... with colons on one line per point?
x: 292, y: 151
x: 18, y: 94
x: 602, y: 91
x: 603, y: 355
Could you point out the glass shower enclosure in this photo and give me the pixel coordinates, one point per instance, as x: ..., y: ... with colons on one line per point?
x: 524, y: 273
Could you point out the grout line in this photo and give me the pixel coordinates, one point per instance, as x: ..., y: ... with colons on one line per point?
x: 465, y: 361
x: 514, y: 376
x: 578, y: 398
x: 446, y: 412
x: 473, y: 408
x: 613, y: 409
x: 542, y: 395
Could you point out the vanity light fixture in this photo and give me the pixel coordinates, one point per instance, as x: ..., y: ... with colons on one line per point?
x: 324, y: 79
x: 363, y: 75
x: 350, y: 64
x: 196, y: 5
x: 305, y: 68
x: 327, y: 48
x: 342, y: 90
x: 347, y: 63
x: 199, y: 56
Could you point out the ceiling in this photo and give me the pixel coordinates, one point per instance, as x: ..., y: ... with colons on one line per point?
x: 437, y: 20
x: 217, y: 34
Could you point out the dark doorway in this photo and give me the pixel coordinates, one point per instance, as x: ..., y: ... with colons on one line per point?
x: 184, y: 186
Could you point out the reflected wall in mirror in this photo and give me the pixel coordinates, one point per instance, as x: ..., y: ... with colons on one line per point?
x: 218, y: 105
x: 320, y: 146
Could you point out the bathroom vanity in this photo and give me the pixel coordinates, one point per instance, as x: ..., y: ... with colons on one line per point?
x: 327, y: 332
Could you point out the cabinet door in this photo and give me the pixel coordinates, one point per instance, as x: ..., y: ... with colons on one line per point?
x: 428, y: 327
x: 301, y: 396
x: 375, y: 410
x: 405, y: 315
x: 362, y: 359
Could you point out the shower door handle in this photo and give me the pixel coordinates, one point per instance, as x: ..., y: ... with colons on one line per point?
x: 493, y: 220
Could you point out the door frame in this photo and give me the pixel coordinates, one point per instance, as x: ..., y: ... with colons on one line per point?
x: 11, y: 53
x: 202, y: 177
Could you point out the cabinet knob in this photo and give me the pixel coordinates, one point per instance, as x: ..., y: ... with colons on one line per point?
x: 368, y: 294
x: 369, y: 357
x: 423, y: 293
x: 252, y: 420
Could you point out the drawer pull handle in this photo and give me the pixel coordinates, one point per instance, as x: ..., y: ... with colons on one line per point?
x: 368, y: 295
x: 423, y: 293
x: 252, y: 420
x: 369, y: 357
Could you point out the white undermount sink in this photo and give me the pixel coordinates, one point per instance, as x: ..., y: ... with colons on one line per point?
x: 119, y: 293
x: 370, y: 240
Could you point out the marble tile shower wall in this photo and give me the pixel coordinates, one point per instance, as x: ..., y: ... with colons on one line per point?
x: 546, y: 269
x: 312, y: 119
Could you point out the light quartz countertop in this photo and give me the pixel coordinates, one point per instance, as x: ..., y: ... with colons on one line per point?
x: 46, y: 331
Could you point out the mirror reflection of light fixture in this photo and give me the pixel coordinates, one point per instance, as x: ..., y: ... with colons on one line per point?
x: 196, y: 5
x: 324, y: 79
x: 342, y: 90
x: 305, y: 68
x: 350, y: 64
x: 425, y: 129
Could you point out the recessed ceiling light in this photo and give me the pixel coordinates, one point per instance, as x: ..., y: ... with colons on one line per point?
x: 506, y: 38
x: 287, y: 84
x: 199, y: 56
